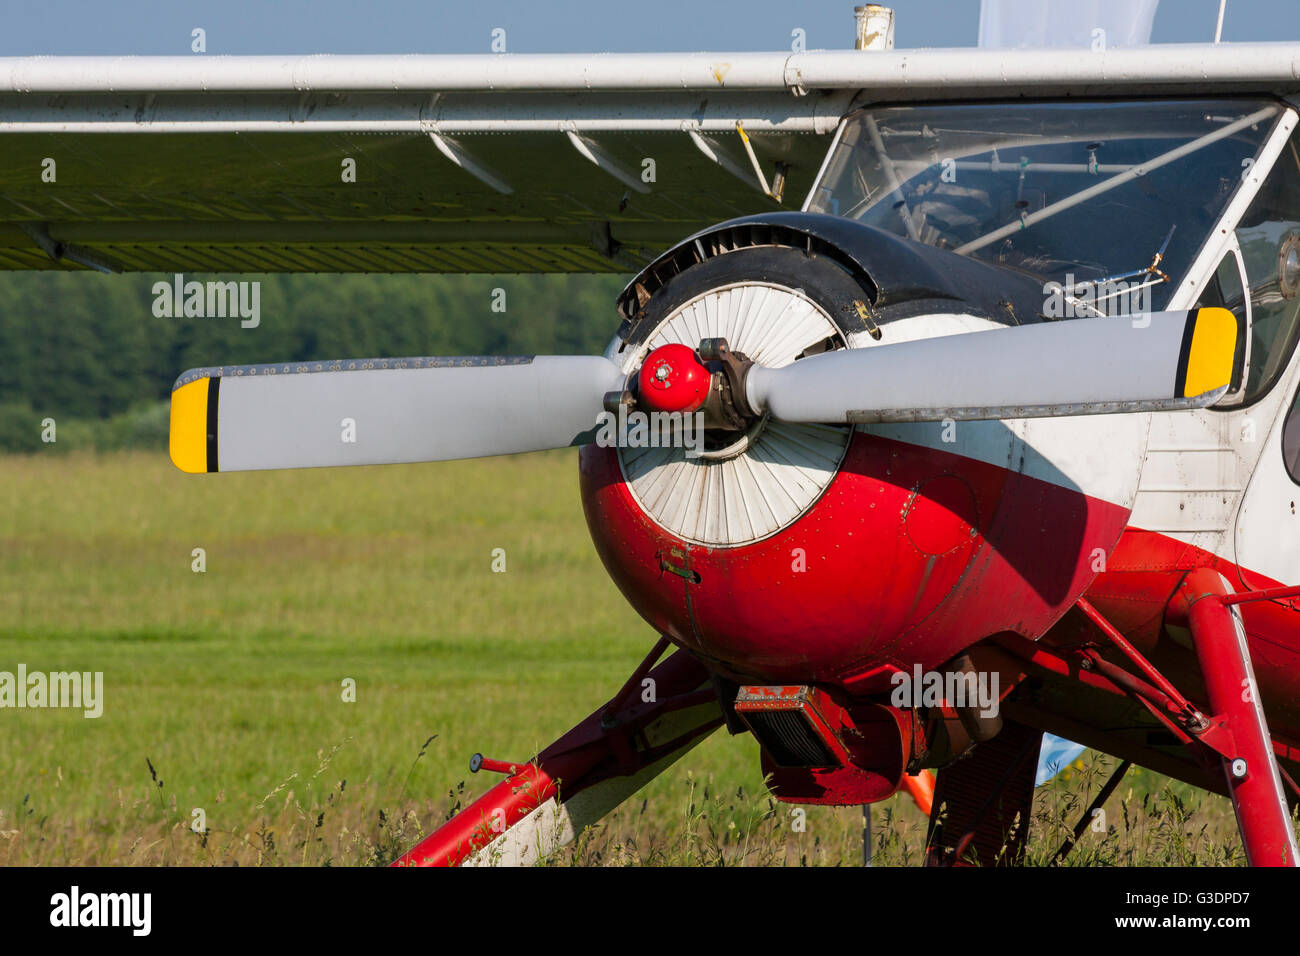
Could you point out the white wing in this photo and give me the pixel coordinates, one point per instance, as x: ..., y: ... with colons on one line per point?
x: 511, y: 163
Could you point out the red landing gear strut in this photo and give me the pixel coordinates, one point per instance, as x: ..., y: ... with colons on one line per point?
x: 978, y: 799
x: 1207, y: 604
x: 658, y: 715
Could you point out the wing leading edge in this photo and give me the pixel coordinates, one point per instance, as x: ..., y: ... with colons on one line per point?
x: 514, y: 163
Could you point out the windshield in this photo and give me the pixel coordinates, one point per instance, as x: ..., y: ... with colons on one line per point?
x: 1070, y: 193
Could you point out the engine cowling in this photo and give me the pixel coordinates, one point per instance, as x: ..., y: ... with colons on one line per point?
x: 836, y: 554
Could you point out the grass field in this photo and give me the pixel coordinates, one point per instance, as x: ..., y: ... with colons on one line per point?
x: 224, y: 689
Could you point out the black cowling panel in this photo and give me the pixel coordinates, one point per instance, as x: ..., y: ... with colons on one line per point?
x: 900, y: 276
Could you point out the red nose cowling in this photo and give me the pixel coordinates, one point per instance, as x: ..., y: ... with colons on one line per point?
x: 909, y: 556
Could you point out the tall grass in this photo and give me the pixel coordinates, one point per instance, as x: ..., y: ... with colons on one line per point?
x: 224, y: 690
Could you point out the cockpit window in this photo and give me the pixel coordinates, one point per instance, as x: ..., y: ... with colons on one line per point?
x: 1291, y: 440
x: 1071, y: 193
x: 1269, y: 236
x: 1225, y: 290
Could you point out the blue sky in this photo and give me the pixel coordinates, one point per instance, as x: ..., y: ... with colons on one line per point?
x: 538, y: 26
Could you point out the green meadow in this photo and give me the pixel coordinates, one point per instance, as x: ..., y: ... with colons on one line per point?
x: 224, y: 689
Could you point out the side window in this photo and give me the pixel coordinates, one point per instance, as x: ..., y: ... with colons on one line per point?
x: 1225, y: 290
x: 1291, y: 440
x: 1269, y: 237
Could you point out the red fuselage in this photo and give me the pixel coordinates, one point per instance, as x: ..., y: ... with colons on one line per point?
x: 910, y: 556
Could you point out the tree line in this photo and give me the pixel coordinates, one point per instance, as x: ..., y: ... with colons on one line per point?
x: 83, y: 347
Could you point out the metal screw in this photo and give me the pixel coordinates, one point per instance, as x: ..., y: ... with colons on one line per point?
x: 1239, y: 768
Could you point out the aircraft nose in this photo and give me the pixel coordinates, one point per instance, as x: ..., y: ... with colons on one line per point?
x: 911, y: 554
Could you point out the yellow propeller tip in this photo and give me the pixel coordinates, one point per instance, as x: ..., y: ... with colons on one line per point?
x: 1210, y: 351
x: 188, y: 444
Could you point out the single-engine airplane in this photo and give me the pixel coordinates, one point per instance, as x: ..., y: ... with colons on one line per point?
x: 976, y: 370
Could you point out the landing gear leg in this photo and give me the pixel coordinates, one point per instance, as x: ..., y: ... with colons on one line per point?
x: 660, y: 714
x: 1254, y: 782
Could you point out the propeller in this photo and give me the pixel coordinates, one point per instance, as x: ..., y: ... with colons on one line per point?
x: 1152, y: 362
x: 384, y: 411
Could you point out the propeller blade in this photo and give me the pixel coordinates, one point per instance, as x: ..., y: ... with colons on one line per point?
x: 384, y: 411
x: 1163, y: 360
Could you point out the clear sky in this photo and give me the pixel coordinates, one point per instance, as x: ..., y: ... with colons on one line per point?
x: 539, y: 26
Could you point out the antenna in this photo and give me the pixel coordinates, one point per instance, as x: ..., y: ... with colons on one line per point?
x: 1218, y: 27
x: 875, y: 27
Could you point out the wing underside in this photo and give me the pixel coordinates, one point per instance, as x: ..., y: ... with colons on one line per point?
x: 519, y: 163
x: 369, y: 182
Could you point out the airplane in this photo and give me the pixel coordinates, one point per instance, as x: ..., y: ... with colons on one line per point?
x: 953, y: 401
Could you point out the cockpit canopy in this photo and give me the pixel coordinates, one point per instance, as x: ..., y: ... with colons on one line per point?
x: 1068, y: 192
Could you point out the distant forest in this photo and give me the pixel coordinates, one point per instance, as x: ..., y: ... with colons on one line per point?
x: 84, y: 348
